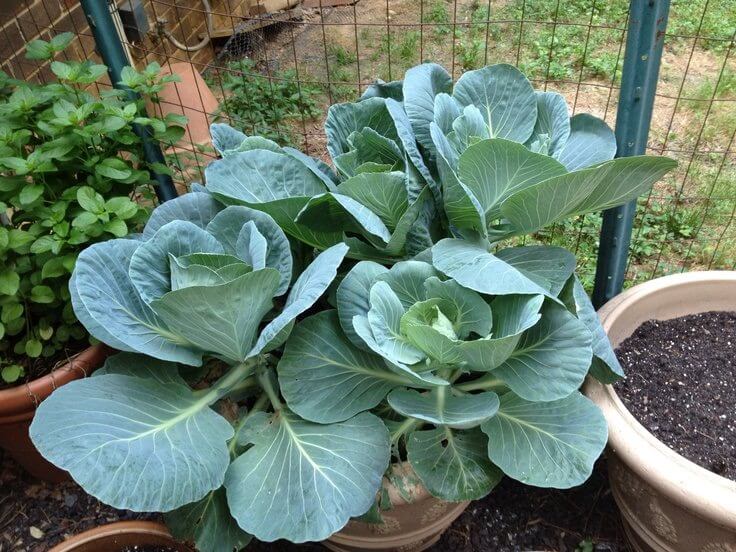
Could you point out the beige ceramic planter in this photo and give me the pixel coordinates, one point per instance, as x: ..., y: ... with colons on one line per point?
x: 410, y: 526
x: 668, y: 503
x: 121, y: 535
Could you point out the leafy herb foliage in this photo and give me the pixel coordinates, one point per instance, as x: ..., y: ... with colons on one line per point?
x: 439, y: 344
x: 71, y: 170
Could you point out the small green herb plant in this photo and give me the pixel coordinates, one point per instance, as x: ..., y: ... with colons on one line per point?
x: 71, y: 172
x: 438, y: 343
x: 267, y: 105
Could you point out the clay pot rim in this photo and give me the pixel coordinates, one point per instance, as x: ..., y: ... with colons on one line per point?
x: 704, y: 492
x: 21, y: 401
x: 110, y: 529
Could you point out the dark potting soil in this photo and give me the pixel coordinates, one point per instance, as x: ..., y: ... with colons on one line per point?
x: 35, y: 368
x: 35, y: 516
x: 681, y: 385
x: 148, y: 549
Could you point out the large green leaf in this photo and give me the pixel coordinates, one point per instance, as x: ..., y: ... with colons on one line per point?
x: 453, y: 465
x: 410, y: 224
x: 441, y: 407
x: 108, y: 305
x: 225, y: 137
x: 472, y: 313
x: 384, y: 193
x: 492, y: 170
x: 591, y: 141
x: 134, y: 443
x: 197, y: 208
x: 546, y: 265
x: 227, y: 227
x: 546, y: 444
x: 504, y: 96
x: 353, y: 296
x: 140, y: 366
x: 344, y: 119
x: 607, y: 185
x: 552, y: 128
x: 384, y: 319
x: 321, y: 169
x: 331, y: 211
x: 551, y: 359
x: 208, y: 524
x: 150, y: 264
x: 239, y: 305
x: 303, y: 481
x: 421, y: 84
x: 309, y: 287
x: 605, y: 367
x: 187, y: 272
x: 406, y: 279
x: 324, y: 378
x: 473, y: 266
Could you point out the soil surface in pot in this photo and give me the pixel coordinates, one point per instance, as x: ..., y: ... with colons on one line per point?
x: 35, y: 516
x: 681, y: 385
x: 148, y: 549
x: 34, y: 368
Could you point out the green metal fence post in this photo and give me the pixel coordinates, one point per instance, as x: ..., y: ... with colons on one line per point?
x: 644, y: 42
x: 111, y: 50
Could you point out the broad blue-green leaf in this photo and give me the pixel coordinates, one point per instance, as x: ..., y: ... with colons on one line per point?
x: 254, y: 143
x: 225, y: 137
x: 275, y: 183
x: 228, y: 224
x: 406, y: 279
x: 140, y: 366
x: 453, y: 464
x: 546, y: 444
x: 474, y: 267
x: 419, y: 378
x: 384, y: 318
x: 197, y: 208
x: 344, y: 119
x: 208, y: 524
x: 383, y: 193
x: 552, y: 128
x: 205, y: 269
x: 472, y: 313
x: 441, y: 407
x: 383, y: 89
x: 239, y: 305
x: 336, y: 211
x: 372, y: 146
x: 410, y: 225
x: 150, y: 269
x: 320, y: 169
x: 493, y: 170
x: 108, y: 305
x: 468, y: 128
x: 546, y: 265
x: 134, y: 443
x: 252, y: 246
x: 462, y: 207
x: 325, y: 379
x: 602, y: 187
x: 446, y: 110
x: 427, y: 326
x: 303, y: 481
x: 504, y: 96
x: 309, y: 287
x: 591, y: 141
x: 551, y: 359
x: 421, y: 84
x: 353, y: 296
x: 605, y: 367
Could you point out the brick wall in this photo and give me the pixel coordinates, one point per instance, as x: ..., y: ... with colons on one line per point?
x: 24, y: 20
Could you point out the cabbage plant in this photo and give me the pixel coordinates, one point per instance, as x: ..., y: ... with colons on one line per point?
x: 225, y: 457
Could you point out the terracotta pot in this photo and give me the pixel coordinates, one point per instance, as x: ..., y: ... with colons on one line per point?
x: 409, y: 526
x: 18, y: 405
x: 115, y: 536
x: 668, y: 503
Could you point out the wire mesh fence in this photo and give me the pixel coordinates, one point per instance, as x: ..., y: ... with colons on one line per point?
x: 275, y: 66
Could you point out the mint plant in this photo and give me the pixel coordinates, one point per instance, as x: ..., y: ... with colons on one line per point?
x: 73, y: 174
x: 439, y: 343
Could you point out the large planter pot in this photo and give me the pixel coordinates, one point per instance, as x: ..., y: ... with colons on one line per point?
x: 668, y: 503
x: 18, y: 405
x: 410, y: 526
x: 119, y: 536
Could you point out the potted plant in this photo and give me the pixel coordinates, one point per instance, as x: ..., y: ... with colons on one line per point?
x: 436, y: 362
x: 680, y: 505
x: 71, y: 169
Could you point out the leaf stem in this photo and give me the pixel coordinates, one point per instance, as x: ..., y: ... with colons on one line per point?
x: 406, y: 426
x: 266, y: 378
x: 259, y: 405
x: 486, y: 383
x: 231, y: 379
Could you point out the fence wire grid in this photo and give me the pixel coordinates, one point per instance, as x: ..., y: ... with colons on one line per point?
x: 275, y: 66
